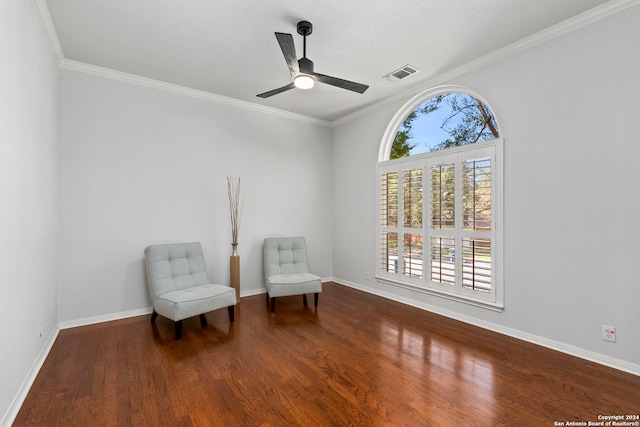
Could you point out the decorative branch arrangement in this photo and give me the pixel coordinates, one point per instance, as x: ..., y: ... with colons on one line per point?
x: 233, y: 186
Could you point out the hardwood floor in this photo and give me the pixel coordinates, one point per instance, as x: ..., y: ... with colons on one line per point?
x: 358, y: 360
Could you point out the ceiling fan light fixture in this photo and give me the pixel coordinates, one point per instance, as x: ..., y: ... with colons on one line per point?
x: 304, y: 81
x: 301, y: 70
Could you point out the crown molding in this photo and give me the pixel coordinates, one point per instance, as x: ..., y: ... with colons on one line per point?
x: 109, y: 73
x: 44, y: 18
x: 600, y: 12
x: 596, y: 14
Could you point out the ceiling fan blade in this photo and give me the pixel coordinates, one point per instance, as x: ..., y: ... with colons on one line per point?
x: 277, y: 91
x: 341, y: 83
x: 289, y: 51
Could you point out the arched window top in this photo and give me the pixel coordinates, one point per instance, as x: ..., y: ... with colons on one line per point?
x: 443, y: 117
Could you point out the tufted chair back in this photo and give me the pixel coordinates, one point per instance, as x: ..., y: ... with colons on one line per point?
x: 179, y: 287
x: 174, y: 267
x: 285, y: 270
x: 286, y: 255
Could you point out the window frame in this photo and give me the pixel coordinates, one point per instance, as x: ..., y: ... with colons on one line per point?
x: 491, y: 148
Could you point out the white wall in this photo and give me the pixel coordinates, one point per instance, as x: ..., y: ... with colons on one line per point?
x: 141, y: 166
x: 28, y: 188
x: 569, y: 110
x: 137, y: 166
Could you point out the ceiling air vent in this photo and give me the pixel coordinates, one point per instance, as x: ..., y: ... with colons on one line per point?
x: 401, y: 73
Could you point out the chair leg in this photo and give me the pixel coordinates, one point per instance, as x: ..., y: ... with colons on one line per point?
x: 304, y: 299
x: 273, y: 304
x: 315, y: 300
x: 154, y: 315
x: 231, y: 310
x: 178, y: 326
x: 203, y: 320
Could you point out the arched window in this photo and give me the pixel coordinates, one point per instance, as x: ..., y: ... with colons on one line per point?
x: 440, y: 198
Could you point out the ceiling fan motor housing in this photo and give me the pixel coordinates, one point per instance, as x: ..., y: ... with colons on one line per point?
x: 305, y: 28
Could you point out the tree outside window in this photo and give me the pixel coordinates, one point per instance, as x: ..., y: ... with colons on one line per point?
x: 437, y: 199
x: 444, y: 121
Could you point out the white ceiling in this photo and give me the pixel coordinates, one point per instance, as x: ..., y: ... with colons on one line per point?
x: 228, y: 47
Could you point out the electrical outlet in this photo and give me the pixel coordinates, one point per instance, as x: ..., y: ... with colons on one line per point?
x: 366, y: 275
x: 609, y: 333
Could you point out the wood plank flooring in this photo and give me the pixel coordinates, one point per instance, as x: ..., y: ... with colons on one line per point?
x: 358, y: 360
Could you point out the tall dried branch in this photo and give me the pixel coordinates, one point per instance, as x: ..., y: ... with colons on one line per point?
x: 233, y: 187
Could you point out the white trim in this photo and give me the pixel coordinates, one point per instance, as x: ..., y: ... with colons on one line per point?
x: 49, y: 30
x: 95, y: 70
x: 23, y: 391
x: 142, y: 311
x: 493, y: 300
x: 253, y: 292
x: 597, y: 13
x: 44, y: 18
x: 592, y: 356
x: 462, y: 298
x: 104, y: 318
x: 602, y: 359
x: 398, y: 118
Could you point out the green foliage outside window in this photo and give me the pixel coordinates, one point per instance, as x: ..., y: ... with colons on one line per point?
x: 463, y: 120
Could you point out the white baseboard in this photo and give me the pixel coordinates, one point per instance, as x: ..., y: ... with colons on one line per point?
x: 582, y: 353
x: 18, y: 400
x: 252, y: 292
x: 104, y: 318
x: 592, y: 356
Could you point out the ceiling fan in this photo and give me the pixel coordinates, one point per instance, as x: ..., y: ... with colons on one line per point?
x: 302, y: 69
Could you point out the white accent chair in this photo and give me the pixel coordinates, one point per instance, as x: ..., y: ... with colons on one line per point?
x: 179, y: 286
x: 286, y: 272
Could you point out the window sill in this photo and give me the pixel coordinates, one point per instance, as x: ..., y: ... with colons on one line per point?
x: 489, y: 305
